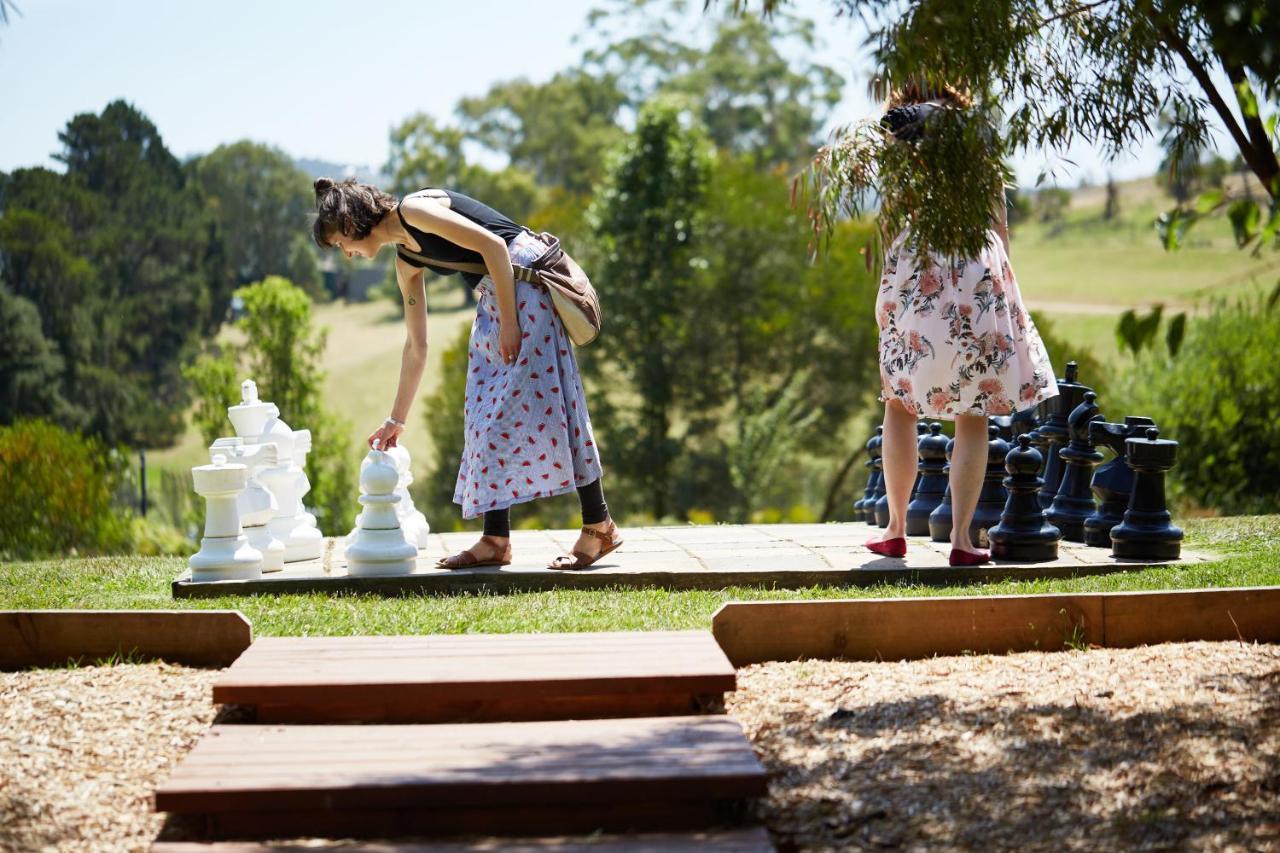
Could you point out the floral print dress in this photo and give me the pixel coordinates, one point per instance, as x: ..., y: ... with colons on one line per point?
x: 955, y: 338
x: 528, y: 434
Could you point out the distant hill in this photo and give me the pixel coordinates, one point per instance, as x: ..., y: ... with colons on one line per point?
x: 326, y: 169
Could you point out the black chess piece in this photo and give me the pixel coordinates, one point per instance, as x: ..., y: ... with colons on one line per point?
x: 1145, y: 533
x: 940, y: 518
x: 870, y: 488
x: 876, y: 484
x: 1074, y: 501
x: 1004, y: 426
x: 991, y: 499
x: 931, y: 483
x: 1112, y: 482
x: 1042, y: 447
x: 1054, y: 431
x: 1024, y: 534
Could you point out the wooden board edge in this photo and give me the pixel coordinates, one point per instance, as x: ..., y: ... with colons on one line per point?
x: 34, y: 638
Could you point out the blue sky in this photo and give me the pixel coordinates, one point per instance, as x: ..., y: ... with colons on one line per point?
x: 323, y: 79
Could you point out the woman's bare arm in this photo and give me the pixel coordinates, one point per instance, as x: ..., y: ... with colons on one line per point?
x: 413, y: 360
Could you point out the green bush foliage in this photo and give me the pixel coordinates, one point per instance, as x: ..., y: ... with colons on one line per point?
x: 58, y: 489
x: 1216, y: 398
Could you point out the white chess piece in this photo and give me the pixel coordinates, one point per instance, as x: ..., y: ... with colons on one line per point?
x: 225, y: 553
x: 412, y: 521
x: 378, y: 546
x: 259, y: 422
x: 256, y: 504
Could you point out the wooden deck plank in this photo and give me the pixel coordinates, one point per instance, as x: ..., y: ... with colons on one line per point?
x: 906, y: 628
x: 52, y: 637
x: 478, y: 677
x: 660, y: 773
x: 753, y: 840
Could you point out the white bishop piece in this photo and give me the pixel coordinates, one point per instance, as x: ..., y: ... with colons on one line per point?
x: 259, y: 423
x: 225, y: 553
x: 412, y: 521
x: 378, y: 546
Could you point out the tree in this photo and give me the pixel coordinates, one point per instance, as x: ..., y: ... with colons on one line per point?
x: 259, y: 201
x: 113, y: 255
x: 645, y: 221
x: 1101, y: 71
x: 30, y: 367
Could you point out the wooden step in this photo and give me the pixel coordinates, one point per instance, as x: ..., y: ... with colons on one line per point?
x: 478, y: 677
x: 530, y: 778
x: 753, y: 840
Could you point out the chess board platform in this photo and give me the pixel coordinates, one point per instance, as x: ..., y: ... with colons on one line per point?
x: 784, y: 556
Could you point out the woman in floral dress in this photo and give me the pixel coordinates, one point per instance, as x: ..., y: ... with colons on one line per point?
x: 956, y: 343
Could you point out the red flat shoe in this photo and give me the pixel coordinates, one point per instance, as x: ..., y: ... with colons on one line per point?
x: 889, y: 547
x: 968, y: 558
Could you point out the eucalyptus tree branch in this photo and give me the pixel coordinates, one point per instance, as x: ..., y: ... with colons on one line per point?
x: 1201, y: 74
x: 1257, y: 132
x: 1074, y: 10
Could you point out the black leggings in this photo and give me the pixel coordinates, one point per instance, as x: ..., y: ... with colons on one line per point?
x: 497, y: 522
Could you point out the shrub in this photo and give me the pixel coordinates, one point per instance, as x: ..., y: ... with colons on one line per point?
x: 58, y: 488
x: 1216, y: 398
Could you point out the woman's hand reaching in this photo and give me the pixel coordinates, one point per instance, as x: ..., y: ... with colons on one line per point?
x: 385, y: 436
x: 509, y: 341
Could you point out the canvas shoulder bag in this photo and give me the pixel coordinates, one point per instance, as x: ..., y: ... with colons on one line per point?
x: 575, y: 299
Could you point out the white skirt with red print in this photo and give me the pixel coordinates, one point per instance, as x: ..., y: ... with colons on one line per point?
x: 955, y: 338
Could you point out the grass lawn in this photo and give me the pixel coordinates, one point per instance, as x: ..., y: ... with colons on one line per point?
x: 1250, y: 547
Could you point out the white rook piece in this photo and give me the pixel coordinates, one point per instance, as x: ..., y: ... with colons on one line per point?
x: 378, y: 545
x: 258, y: 422
x: 256, y: 505
x: 225, y: 553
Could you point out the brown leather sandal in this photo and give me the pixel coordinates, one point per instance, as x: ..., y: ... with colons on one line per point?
x: 579, y: 560
x: 468, y: 560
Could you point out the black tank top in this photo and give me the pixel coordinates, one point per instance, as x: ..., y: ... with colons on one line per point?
x: 435, y: 246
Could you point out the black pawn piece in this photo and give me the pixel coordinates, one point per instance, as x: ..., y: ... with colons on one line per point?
x: 1023, y: 535
x: 1055, y: 432
x: 870, y: 488
x: 940, y: 518
x: 1074, y: 501
x: 1113, y: 482
x: 876, y: 483
x: 1145, y: 533
x: 922, y: 430
x: 931, y: 484
x: 991, y: 499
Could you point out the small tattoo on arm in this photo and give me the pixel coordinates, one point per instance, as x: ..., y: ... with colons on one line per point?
x: 413, y: 301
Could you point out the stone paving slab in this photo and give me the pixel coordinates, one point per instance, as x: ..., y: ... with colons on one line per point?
x: 787, y: 556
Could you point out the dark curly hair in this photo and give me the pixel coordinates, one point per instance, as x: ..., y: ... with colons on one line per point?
x: 348, y: 208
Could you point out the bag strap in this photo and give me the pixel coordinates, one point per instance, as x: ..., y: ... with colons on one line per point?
x: 521, y: 273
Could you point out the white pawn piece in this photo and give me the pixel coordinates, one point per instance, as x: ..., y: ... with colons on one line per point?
x: 412, y: 521
x: 259, y: 422
x: 256, y: 504
x: 225, y: 553
x: 378, y: 546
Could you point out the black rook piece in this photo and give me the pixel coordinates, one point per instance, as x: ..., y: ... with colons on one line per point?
x: 1113, y: 482
x: 876, y: 483
x: 1145, y: 533
x: 992, y: 497
x: 1023, y: 534
x: 940, y: 518
x: 1074, y: 501
x: 1054, y: 431
x: 922, y: 429
x: 932, y: 482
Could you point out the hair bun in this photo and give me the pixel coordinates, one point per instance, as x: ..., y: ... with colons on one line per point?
x: 323, y: 185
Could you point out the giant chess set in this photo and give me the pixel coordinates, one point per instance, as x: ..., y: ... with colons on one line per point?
x: 255, y: 521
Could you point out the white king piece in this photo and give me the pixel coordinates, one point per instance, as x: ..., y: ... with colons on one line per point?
x: 225, y: 554
x: 378, y: 545
x: 258, y: 422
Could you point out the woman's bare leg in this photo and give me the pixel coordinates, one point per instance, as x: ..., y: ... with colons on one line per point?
x: 968, y: 468
x: 901, y: 463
